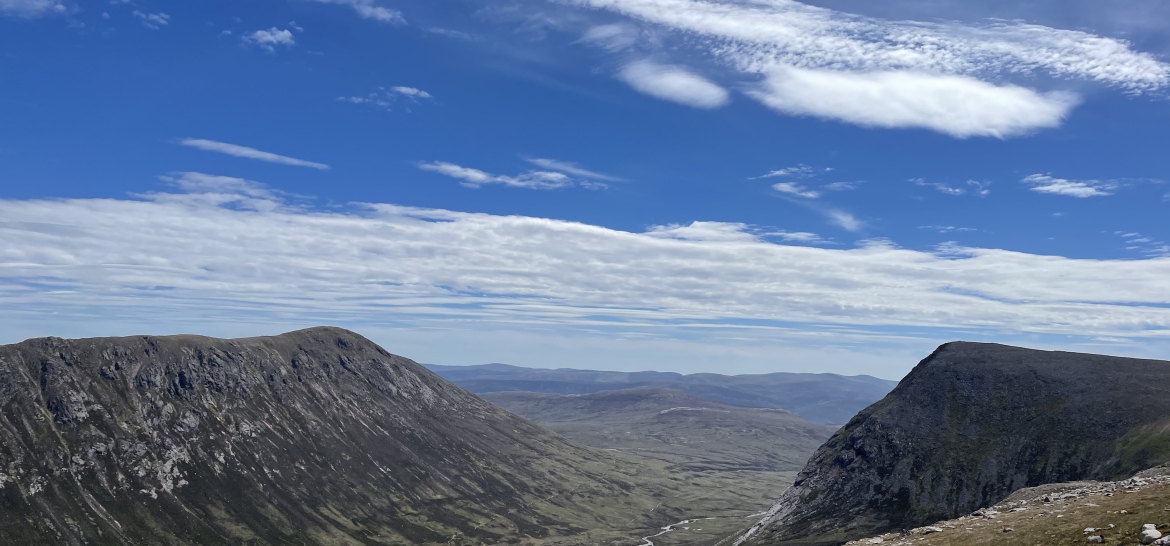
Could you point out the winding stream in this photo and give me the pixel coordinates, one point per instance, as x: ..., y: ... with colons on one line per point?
x: 648, y: 540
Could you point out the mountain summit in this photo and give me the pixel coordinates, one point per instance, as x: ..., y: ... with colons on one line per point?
x: 972, y: 423
x: 312, y: 437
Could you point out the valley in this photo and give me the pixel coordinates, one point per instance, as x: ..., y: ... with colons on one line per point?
x: 320, y: 436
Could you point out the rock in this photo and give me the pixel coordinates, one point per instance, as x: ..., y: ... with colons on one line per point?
x: 930, y: 530
x: 197, y: 440
x: 1150, y: 533
x: 1090, y: 530
x: 1096, y: 539
x: 1008, y: 529
x: 875, y: 540
x: 949, y: 440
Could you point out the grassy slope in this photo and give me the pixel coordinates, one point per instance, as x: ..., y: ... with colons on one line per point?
x: 1059, y: 521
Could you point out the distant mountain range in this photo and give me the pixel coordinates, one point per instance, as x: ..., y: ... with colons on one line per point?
x: 972, y: 423
x: 820, y: 398
x: 689, y: 432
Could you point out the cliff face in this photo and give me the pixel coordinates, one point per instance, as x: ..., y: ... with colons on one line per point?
x: 311, y: 437
x: 969, y: 425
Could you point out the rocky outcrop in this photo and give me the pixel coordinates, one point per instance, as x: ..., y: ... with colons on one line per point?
x: 968, y: 426
x: 313, y: 437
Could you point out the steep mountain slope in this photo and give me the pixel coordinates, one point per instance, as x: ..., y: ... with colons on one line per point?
x: 690, y: 432
x: 311, y: 437
x: 969, y: 425
x: 821, y: 398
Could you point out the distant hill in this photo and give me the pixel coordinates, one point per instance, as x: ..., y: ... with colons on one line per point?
x: 969, y: 425
x: 673, y: 426
x: 821, y: 398
x: 315, y: 437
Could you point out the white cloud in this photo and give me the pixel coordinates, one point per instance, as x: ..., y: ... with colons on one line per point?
x: 30, y: 8
x: 613, y: 37
x: 475, y: 178
x: 673, y: 83
x: 1043, y: 183
x: 759, y: 36
x: 367, y: 9
x: 844, y: 219
x: 881, y: 73
x: 269, y: 39
x: 704, y: 231
x: 947, y: 229
x: 231, y: 252
x: 799, y: 171
x: 412, y: 92
x: 982, y: 189
x: 153, y: 21
x: 799, y: 237
x: 569, y: 168
x: 841, y: 186
x: 382, y: 98
x: 960, y: 106
x: 942, y: 188
x: 1145, y: 245
x: 249, y: 153
x: 792, y: 188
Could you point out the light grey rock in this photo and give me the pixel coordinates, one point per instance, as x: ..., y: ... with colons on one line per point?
x: 1150, y: 533
x: 1096, y: 539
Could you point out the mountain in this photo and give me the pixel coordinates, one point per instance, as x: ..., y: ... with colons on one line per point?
x: 315, y: 437
x: 968, y: 426
x: 820, y: 398
x: 687, y: 431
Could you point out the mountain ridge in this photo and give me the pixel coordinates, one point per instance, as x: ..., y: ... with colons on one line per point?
x: 822, y: 398
x: 316, y: 436
x: 970, y: 424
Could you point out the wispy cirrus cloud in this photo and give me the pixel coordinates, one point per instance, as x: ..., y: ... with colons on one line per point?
x: 792, y: 188
x: 31, y: 8
x: 939, y: 186
x: 570, y: 168
x: 249, y: 153
x: 242, y: 252
x: 556, y: 174
x: 1045, y: 183
x: 799, y: 171
x: 673, y: 83
x: 475, y: 178
x: 368, y: 9
x: 941, y: 76
x: 153, y: 21
x: 383, y: 98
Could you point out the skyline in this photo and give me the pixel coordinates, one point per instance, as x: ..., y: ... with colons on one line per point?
x: 737, y: 187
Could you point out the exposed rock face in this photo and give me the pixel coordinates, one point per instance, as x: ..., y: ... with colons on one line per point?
x: 312, y: 437
x: 969, y: 425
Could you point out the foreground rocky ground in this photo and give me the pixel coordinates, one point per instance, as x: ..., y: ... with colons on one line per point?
x: 1110, y: 513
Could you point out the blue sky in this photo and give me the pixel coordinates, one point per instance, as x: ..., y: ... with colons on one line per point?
x: 622, y: 184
